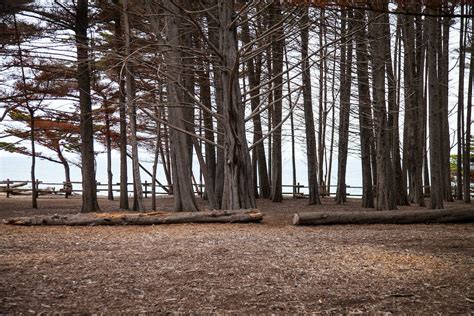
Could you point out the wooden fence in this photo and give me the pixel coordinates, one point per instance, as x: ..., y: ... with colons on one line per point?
x: 11, y: 187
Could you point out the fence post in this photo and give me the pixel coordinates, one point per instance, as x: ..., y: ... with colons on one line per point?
x: 298, y: 188
x: 146, y: 189
x: 8, y: 188
x: 67, y: 187
x: 37, y: 187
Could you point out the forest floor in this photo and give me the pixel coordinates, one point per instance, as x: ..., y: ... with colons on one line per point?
x: 271, y: 267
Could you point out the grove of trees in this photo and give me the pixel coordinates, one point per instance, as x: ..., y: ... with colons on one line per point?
x: 229, y: 84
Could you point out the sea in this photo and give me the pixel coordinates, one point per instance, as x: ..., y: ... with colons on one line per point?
x: 17, y: 167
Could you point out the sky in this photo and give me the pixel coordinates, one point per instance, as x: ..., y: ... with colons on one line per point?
x: 16, y: 167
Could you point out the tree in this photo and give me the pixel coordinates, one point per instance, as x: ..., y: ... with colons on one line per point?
x: 118, y: 36
x: 365, y: 115
x: 436, y: 190
x: 308, y: 113
x: 468, y: 138
x: 89, y: 188
x: 132, y: 113
x: 460, y: 112
x: 238, y: 180
x: 31, y: 111
x: 254, y: 66
x: 344, y: 110
x: 385, y: 187
x: 275, y: 16
x: 414, y: 131
x: 180, y: 155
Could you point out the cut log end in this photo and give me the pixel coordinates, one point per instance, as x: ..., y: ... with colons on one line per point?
x: 296, y: 219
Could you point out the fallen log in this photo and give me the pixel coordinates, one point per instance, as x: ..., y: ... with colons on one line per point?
x: 96, y: 219
x: 385, y: 217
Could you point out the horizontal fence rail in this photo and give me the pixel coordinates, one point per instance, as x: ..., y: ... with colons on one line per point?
x: 11, y: 187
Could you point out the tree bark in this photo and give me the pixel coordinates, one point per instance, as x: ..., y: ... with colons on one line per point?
x: 460, y: 112
x: 31, y: 111
x: 393, y: 121
x: 108, y: 145
x: 322, y: 126
x: 311, y: 153
x: 254, y: 70
x: 344, y: 110
x: 180, y: 159
x: 132, y: 113
x: 238, y: 180
x: 219, y: 97
x: 467, y: 137
x: 122, y: 109
x: 210, y: 151
x: 384, y: 217
x: 67, y: 172
x: 365, y: 115
x: 386, y: 199
x: 277, y: 68
x: 414, y: 139
x: 436, y: 194
x: 34, y: 189
x: 421, y: 109
x: 443, y: 78
x: 89, y: 185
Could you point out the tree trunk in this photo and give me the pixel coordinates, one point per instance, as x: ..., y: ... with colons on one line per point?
x: 157, y: 154
x: 414, y: 107
x: 184, y: 199
x: 165, y: 156
x: 365, y: 115
x: 322, y: 104
x: 108, y: 144
x: 67, y: 172
x: 34, y: 189
x: 34, y: 193
x: 219, y: 97
x: 384, y: 217
x: 386, y: 199
x: 467, y: 146
x: 436, y: 194
x: 238, y: 180
x: 420, y: 114
x: 308, y: 113
x: 344, y: 110
x: 333, y: 126
x: 155, y: 218
x: 443, y: 77
x: 132, y: 113
x: 254, y: 70
x: 210, y: 151
x: 89, y: 185
x: 292, y: 124
x: 122, y: 110
x: 277, y: 63
x: 460, y: 112
x: 393, y: 122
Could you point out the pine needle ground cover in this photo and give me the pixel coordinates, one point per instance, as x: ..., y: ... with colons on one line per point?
x: 270, y: 267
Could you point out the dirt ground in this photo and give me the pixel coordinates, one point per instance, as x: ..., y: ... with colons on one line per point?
x: 272, y: 267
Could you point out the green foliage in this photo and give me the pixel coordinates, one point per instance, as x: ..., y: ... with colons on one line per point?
x: 454, y: 158
x: 18, y: 115
x: 12, y: 148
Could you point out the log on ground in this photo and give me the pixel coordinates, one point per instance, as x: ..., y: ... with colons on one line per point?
x: 96, y: 219
x: 385, y: 217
